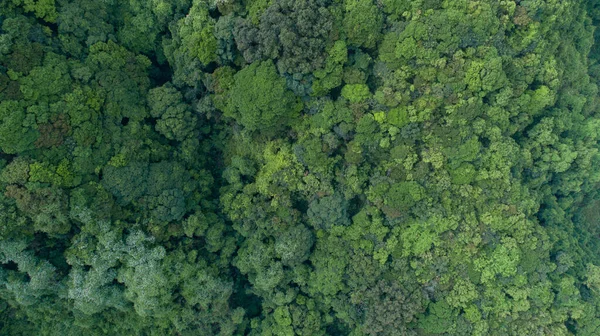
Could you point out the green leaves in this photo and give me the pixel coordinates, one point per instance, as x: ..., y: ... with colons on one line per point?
x: 126, y: 183
x: 402, y: 196
x: 260, y: 101
x: 327, y: 211
x: 593, y: 277
x: 299, y: 167
x: 503, y: 260
x: 17, y: 132
x: 175, y: 120
x: 43, y: 9
x: 196, y: 33
x: 293, y: 33
x: 362, y: 23
x: 331, y: 75
x: 440, y: 318
x: 420, y: 236
x: 293, y: 246
x: 356, y: 93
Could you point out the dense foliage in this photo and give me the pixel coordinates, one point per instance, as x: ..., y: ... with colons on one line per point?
x: 299, y: 167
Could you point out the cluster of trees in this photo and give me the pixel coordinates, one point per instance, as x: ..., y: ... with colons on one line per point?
x: 299, y: 167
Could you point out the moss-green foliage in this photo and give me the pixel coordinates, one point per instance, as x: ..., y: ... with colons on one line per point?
x: 299, y: 167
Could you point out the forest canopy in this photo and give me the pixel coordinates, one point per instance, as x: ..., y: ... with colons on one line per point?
x: 299, y: 167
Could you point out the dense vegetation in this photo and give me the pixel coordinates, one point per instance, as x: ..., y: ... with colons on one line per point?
x: 299, y: 167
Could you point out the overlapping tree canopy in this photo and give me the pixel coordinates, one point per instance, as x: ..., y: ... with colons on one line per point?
x: 309, y: 167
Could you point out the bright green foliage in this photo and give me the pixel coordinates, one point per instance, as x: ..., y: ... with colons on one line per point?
x: 43, y: 9
x: 439, y: 320
x: 327, y: 276
x: 191, y: 43
x: 259, y: 99
x: 46, y: 82
x: 256, y: 9
x: 464, y: 174
x: 362, y: 23
x: 196, y: 34
x: 330, y: 76
x: 356, y: 93
x: 593, y: 277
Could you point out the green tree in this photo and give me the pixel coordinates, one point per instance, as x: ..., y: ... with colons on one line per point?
x: 295, y: 34
x: 260, y: 101
x: 362, y: 23
x: 175, y: 120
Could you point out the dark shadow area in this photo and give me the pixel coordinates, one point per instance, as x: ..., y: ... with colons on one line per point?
x: 242, y: 297
x: 11, y: 266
